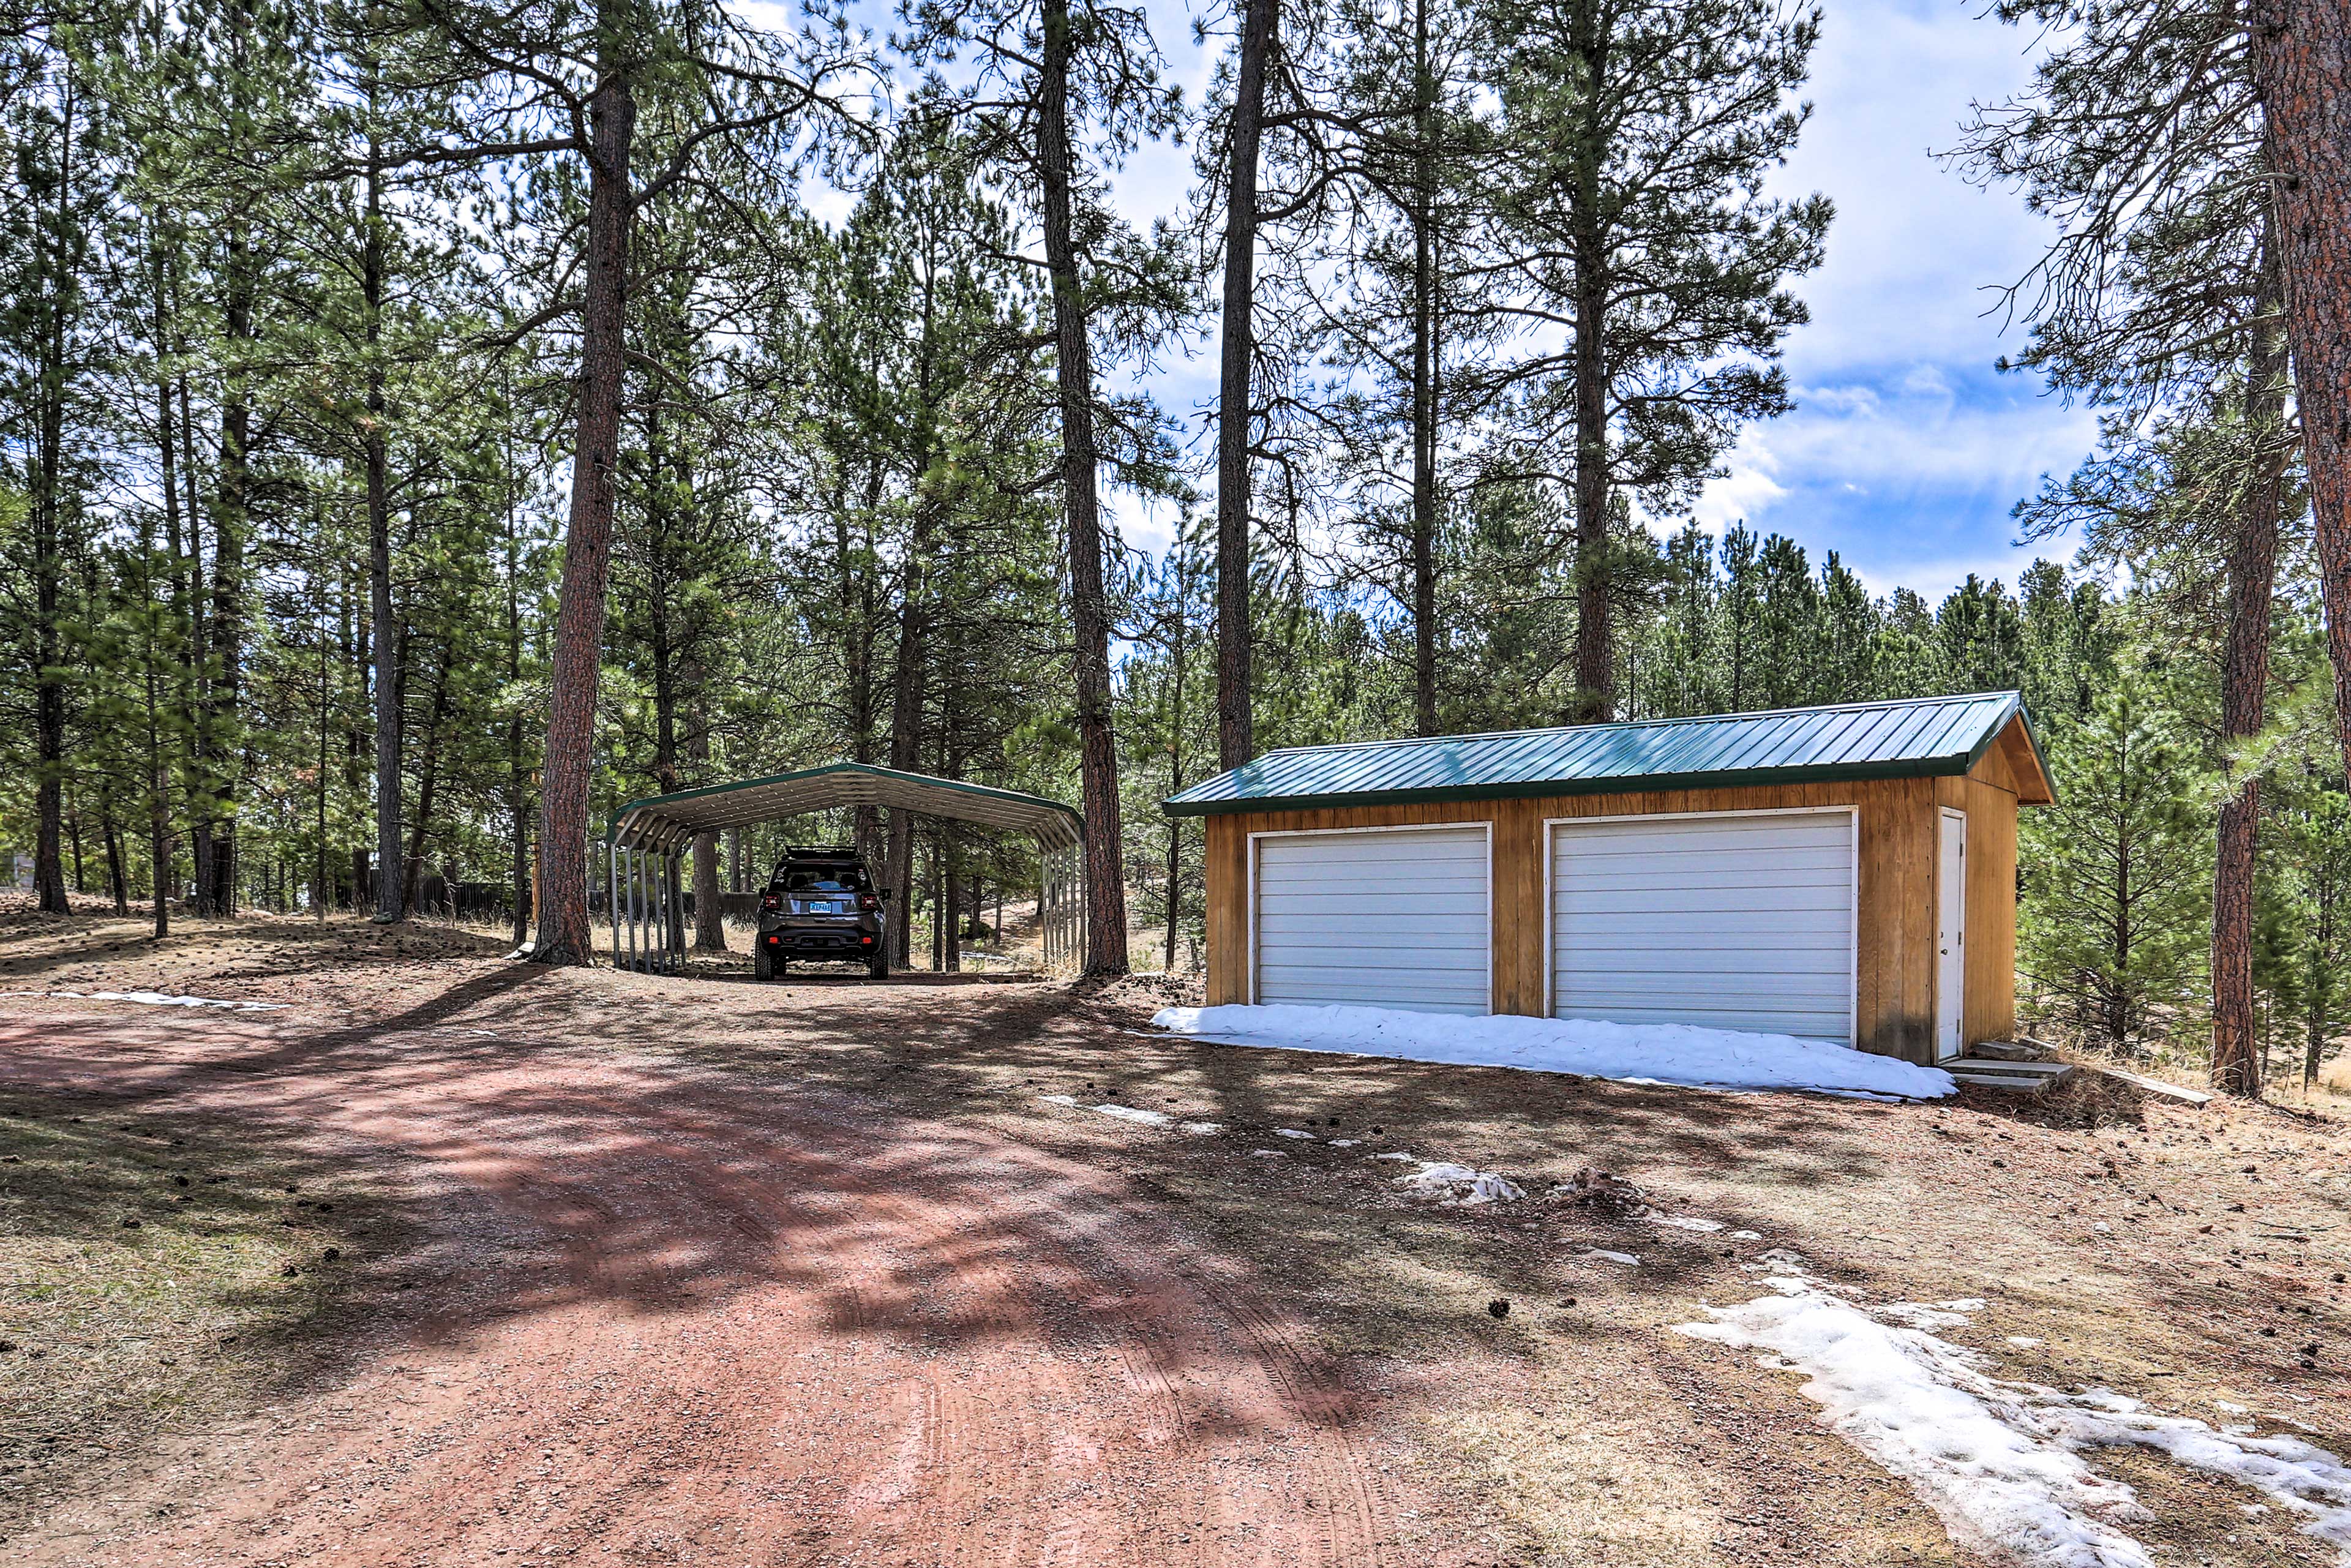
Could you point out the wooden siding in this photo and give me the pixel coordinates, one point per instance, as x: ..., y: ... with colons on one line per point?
x: 1899, y: 854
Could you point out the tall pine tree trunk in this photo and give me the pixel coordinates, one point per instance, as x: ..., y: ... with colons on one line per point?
x: 1595, y: 647
x: 1106, y: 890
x: 517, y: 772
x: 1235, y: 741
x: 390, y: 891
x: 111, y: 831
x: 159, y: 805
x: 2302, y: 70
x: 906, y: 734
x: 563, y: 931
x: 61, y: 263
x: 233, y: 489
x: 709, y: 912
x: 1424, y: 381
x: 428, y: 783
x: 1176, y: 650
x: 2245, y: 689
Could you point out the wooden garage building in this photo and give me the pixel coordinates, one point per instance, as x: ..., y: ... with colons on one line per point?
x: 1844, y: 873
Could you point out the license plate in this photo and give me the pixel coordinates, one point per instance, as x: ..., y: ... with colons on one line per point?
x: 819, y: 906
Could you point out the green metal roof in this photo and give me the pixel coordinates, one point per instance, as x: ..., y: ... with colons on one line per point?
x: 1908, y: 739
x: 666, y: 821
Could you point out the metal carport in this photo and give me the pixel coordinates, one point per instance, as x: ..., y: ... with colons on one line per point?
x: 647, y: 836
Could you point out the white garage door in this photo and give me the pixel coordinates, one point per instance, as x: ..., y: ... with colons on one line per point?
x: 1736, y: 922
x: 1395, y: 919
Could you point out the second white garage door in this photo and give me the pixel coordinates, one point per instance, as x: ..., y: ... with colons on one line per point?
x: 1400, y: 918
x: 1743, y: 920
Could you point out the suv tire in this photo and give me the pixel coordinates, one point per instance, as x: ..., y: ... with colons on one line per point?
x: 763, y: 963
x: 878, y: 965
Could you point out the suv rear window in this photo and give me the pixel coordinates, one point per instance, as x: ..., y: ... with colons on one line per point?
x: 821, y: 879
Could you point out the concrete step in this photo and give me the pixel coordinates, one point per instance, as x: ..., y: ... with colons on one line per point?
x: 2010, y: 1051
x: 2019, y: 1077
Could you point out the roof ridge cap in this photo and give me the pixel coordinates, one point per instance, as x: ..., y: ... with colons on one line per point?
x: 1644, y: 722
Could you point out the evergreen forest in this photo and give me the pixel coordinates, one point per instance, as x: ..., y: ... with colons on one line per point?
x: 426, y: 426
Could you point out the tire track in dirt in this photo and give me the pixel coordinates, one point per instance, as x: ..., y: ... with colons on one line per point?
x: 771, y: 1320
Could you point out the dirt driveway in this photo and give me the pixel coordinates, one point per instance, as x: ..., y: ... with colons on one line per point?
x: 648, y: 1271
x: 668, y: 1320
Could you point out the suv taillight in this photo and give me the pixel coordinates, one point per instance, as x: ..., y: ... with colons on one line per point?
x: 770, y: 903
x: 867, y: 901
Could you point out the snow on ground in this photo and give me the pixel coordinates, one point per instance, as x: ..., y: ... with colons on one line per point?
x: 1131, y: 1114
x: 2295, y: 1475
x: 158, y: 999
x: 1450, y: 1183
x: 1637, y: 1053
x: 2001, y: 1462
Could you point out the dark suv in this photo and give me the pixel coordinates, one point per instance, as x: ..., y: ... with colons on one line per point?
x: 821, y: 904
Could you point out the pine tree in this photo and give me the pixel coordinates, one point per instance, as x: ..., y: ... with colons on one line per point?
x: 2110, y: 924
x: 1634, y: 221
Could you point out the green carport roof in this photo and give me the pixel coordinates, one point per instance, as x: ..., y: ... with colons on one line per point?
x: 666, y: 821
x: 1906, y: 739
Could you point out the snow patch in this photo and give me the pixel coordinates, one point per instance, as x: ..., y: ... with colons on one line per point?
x: 1916, y: 1405
x: 1292, y: 1133
x: 1129, y: 1113
x: 2000, y: 1462
x: 1682, y: 1221
x: 1637, y: 1053
x: 1140, y: 1118
x: 1450, y: 1183
x: 1930, y: 1314
x: 1630, y: 1260
x: 158, y: 999
x: 2291, y: 1473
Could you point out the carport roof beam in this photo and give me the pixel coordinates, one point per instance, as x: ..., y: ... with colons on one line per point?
x: 664, y: 822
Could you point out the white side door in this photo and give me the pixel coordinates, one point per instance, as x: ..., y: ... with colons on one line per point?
x: 1739, y: 920
x: 1950, y: 935
x: 1396, y: 917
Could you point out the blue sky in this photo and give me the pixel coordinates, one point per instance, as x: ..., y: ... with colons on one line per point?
x: 1906, y: 449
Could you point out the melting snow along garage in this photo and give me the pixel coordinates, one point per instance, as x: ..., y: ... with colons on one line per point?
x: 1844, y: 873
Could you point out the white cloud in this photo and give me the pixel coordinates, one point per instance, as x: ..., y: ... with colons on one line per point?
x: 1748, y: 490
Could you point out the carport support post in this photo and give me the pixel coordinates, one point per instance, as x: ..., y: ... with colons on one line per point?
x: 674, y: 888
x: 613, y: 896
x: 668, y: 864
x: 630, y: 883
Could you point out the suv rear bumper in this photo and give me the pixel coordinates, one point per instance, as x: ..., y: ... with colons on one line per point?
x: 821, y: 941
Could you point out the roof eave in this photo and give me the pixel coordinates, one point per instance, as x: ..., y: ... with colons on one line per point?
x: 621, y: 820
x: 1835, y: 773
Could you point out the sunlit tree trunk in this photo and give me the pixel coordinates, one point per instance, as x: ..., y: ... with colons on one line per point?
x: 573, y: 677
x: 1106, y: 889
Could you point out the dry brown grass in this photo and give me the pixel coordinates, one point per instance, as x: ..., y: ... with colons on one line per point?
x: 160, y: 1272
